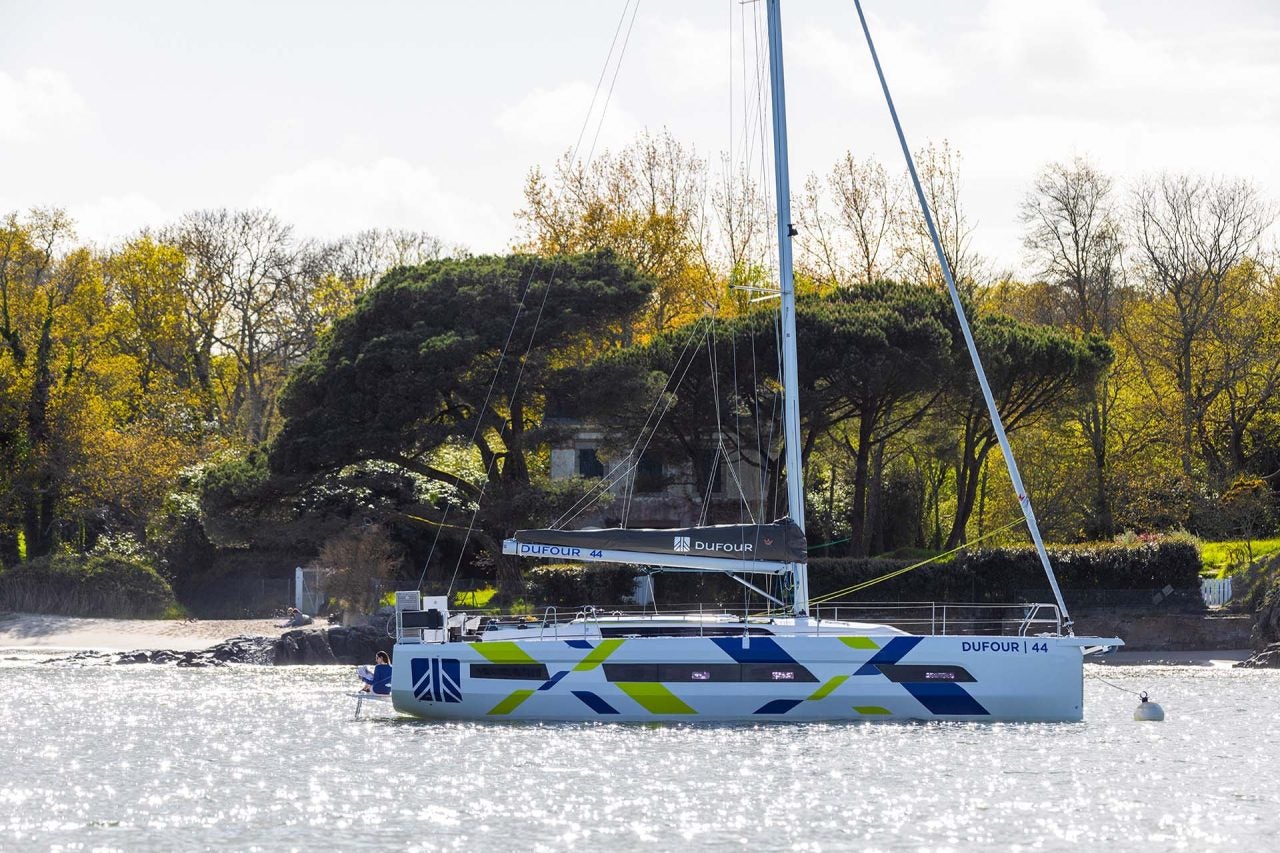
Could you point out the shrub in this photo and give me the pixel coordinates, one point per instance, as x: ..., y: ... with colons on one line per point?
x: 100, y: 585
x: 356, y: 562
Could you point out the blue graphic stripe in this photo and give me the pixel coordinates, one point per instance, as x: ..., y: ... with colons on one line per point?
x: 578, y: 644
x: 779, y: 706
x: 551, y: 682
x: 420, y: 669
x: 893, y: 651
x: 761, y: 650
x: 594, y: 702
x: 946, y: 698
x: 436, y: 679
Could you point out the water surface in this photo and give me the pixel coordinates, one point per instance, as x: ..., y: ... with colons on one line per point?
x: 158, y: 758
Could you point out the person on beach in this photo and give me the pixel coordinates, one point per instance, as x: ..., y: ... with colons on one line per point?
x: 296, y: 619
x: 377, y: 679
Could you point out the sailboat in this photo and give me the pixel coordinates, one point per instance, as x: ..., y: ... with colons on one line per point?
x: 727, y: 667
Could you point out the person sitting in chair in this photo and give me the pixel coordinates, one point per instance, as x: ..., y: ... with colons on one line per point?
x: 378, y: 678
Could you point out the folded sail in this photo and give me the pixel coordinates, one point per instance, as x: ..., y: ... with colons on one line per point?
x: 737, y: 547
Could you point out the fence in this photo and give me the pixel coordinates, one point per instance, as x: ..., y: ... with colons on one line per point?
x: 1216, y: 591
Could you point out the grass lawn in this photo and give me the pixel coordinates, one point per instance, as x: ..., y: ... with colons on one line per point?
x: 1219, y: 557
x: 478, y: 598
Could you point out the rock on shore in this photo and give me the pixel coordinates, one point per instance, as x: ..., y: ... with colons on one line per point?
x: 353, y: 645
x: 1266, y: 632
x: 333, y: 645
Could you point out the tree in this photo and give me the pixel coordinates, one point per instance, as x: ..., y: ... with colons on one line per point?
x: 1073, y: 236
x: 250, y: 295
x: 453, y: 351
x: 869, y: 367
x: 1190, y: 234
x: 939, y: 171
x: 51, y: 315
x: 355, y: 563
x: 644, y: 204
x: 354, y: 263
x: 854, y: 239
x: 1032, y: 372
x: 878, y: 366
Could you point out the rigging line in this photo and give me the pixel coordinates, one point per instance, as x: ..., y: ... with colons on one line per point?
x: 1024, y: 500
x: 620, y: 472
x: 713, y: 363
x: 744, y: 504
x: 616, y: 69
x: 670, y: 401
x: 520, y: 308
x: 858, y: 587
x: 604, y: 69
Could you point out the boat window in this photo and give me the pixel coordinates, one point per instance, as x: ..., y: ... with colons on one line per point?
x: 776, y: 672
x: 513, y: 671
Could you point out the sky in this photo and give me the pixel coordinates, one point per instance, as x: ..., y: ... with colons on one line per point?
x: 429, y: 115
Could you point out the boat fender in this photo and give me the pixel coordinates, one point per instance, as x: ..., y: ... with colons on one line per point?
x: 1148, y: 711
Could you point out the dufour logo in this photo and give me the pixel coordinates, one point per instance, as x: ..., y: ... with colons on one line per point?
x: 437, y: 679
x: 682, y: 543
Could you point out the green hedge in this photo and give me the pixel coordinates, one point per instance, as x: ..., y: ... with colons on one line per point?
x: 604, y: 584
x: 101, y: 585
x: 1094, y: 574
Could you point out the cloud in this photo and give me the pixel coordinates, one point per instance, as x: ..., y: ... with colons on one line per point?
x: 911, y: 64
x: 328, y: 197
x: 554, y: 119
x: 111, y: 218
x: 38, y: 103
x: 679, y: 64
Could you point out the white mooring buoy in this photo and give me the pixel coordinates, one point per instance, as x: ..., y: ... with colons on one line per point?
x: 1148, y: 711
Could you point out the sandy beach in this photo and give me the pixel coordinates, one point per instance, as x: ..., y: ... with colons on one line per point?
x: 28, y: 630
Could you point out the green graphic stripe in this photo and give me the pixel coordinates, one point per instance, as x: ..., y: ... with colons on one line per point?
x: 654, y: 697
x: 871, y: 710
x: 597, y: 655
x: 506, y: 706
x: 503, y: 652
x: 859, y: 642
x: 825, y: 690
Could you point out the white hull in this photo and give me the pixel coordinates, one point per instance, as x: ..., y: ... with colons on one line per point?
x: 722, y: 679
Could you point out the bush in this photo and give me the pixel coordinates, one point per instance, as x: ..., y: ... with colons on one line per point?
x: 101, y: 585
x: 605, y: 584
x: 1101, y: 573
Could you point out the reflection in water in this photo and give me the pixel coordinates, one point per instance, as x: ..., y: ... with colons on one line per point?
x: 158, y: 758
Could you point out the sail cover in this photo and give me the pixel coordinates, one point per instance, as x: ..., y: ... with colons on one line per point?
x: 782, y: 541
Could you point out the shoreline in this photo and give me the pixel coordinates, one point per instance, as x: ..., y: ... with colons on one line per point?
x: 30, y: 632
x: 1224, y: 658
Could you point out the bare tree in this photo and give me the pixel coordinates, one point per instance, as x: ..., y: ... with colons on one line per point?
x: 745, y: 224
x: 355, y: 562
x: 1073, y: 237
x: 245, y: 283
x: 1190, y: 232
x: 869, y: 203
x: 939, y: 170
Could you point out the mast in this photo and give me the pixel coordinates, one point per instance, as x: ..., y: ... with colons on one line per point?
x: 786, y: 285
